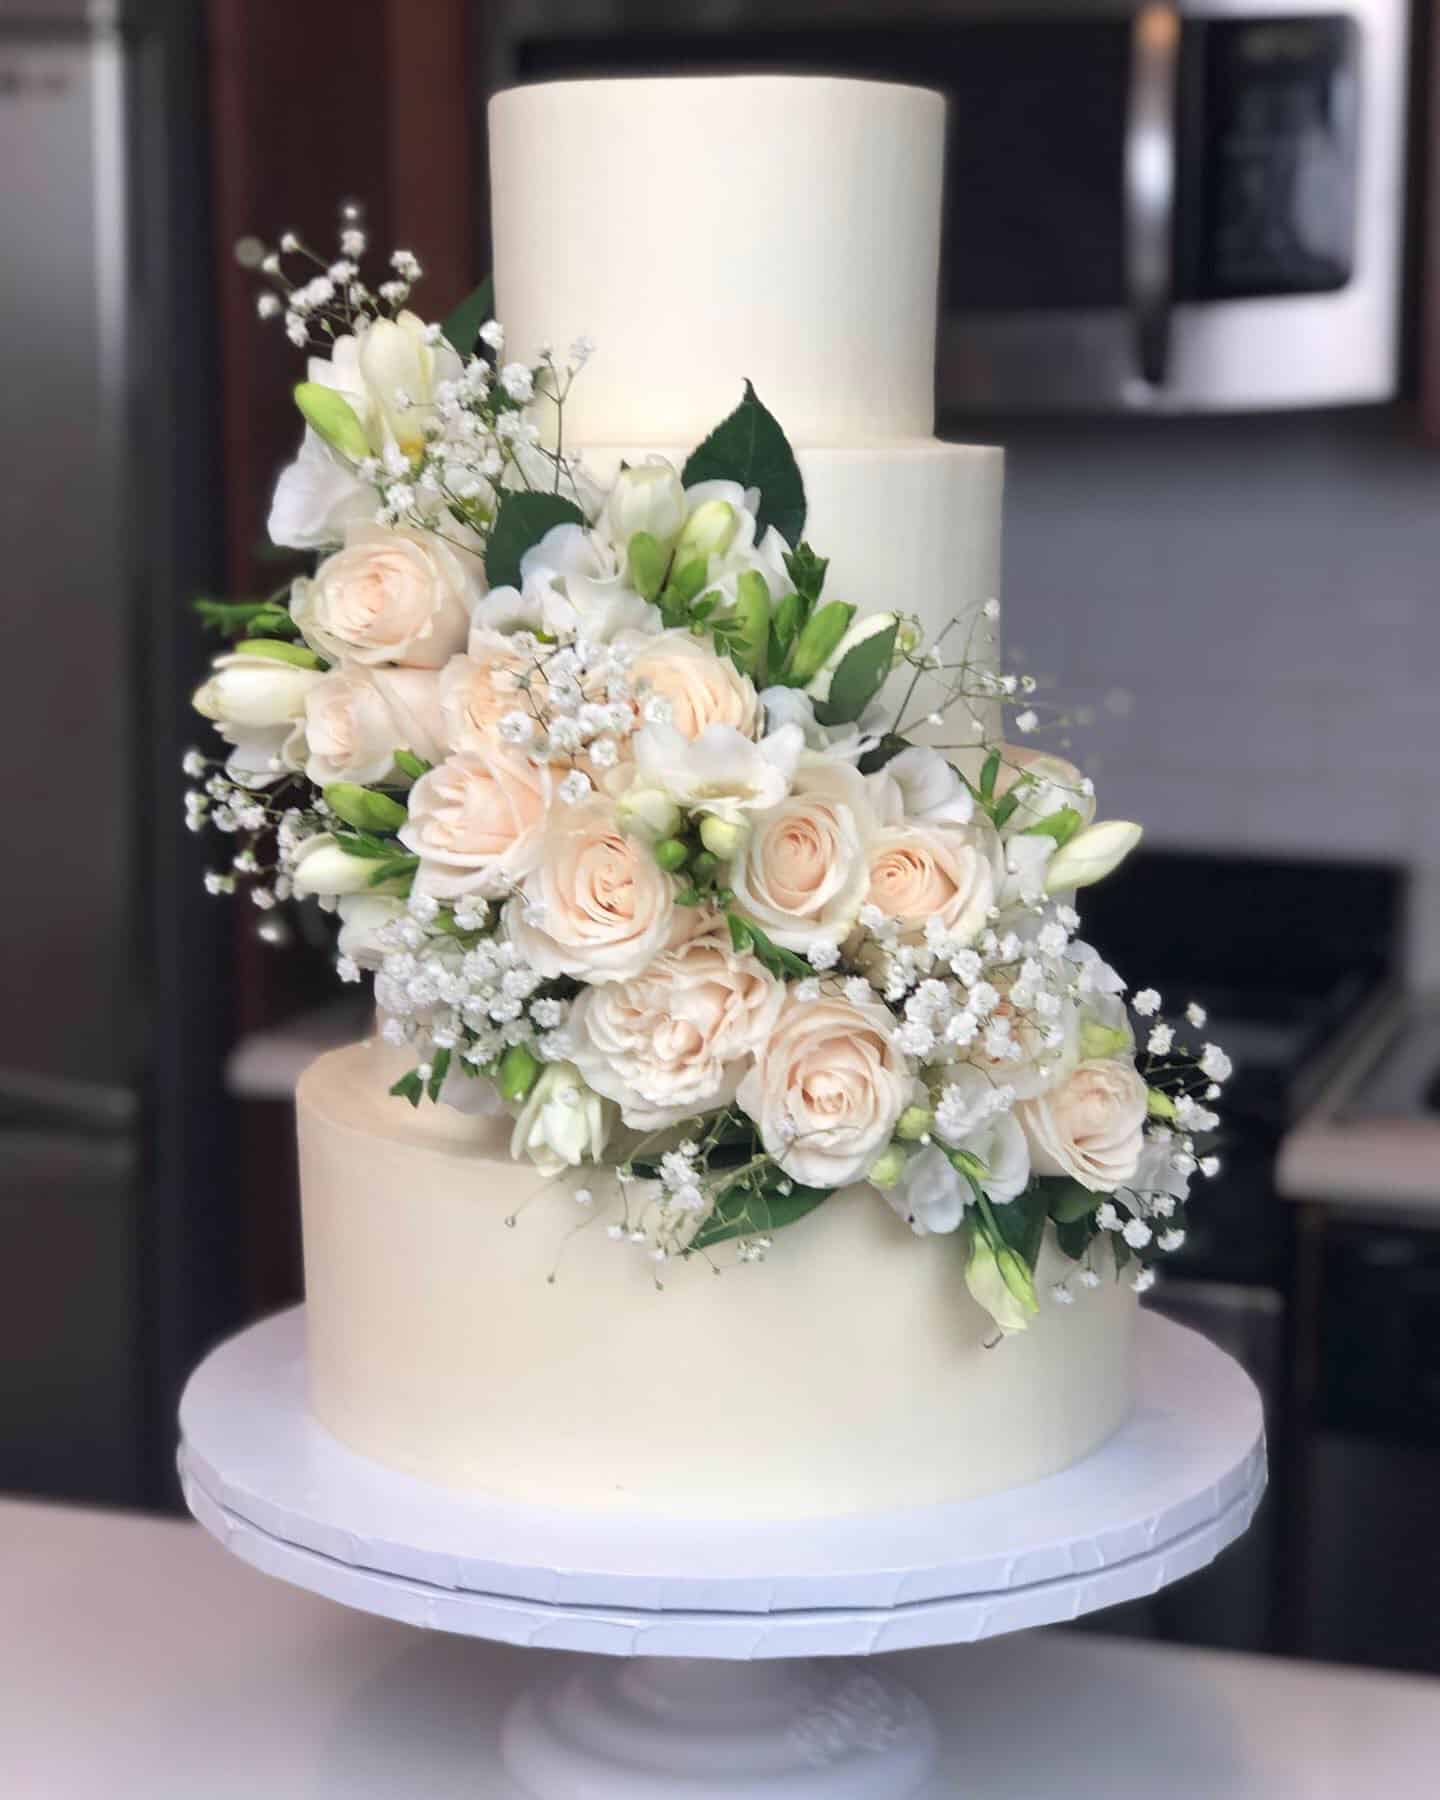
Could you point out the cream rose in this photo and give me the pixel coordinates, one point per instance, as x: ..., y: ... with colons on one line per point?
x: 1090, y: 1127
x: 805, y: 870
x: 675, y: 1040
x: 357, y: 718
x: 826, y: 1089
x: 390, y: 596
x: 476, y: 823
x: 597, y: 906
x: 480, y: 687
x: 923, y: 872
x: 701, y: 688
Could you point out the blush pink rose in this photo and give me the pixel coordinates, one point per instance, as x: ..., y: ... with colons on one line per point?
x: 1091, y: 1127
x: 476, y: 823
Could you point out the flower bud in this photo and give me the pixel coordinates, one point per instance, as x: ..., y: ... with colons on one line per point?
x: 703, y: 865
x: 364, y: 808
x: 322, y: 867
x: 672, y: 853
x: 279, y: 650
x: 1091, y: 855
x: 519, y: 1071
x: 990, y: 1289
x: 646, y: 563
x: 914, y: 1122
x: 647, y: 812
x: 649, y: 499
x: 709, y: 531
x: 1097, y: 1041
x: 254, y: 691
x: 818, y: 687
x: 724, y: 838
x: 562, y: 1123
x: 751, y: 616
x: 888, y: 1166
x: 1158, y: 1104
x: 331, y: 416
x: 823, y: 631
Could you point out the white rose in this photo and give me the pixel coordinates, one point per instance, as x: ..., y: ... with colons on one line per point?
x: 561, y: 1123
x: 700, y: 687
x: 674, y: 1040
x: 720, y: 772
x: 364, y: 919
x: 476, y: 823
x: 322, y: 867
x: 923, y: 872
x: 257, y: 704
x: 357, y: 718
x: 598, y: 906
x: 826, y: 1089
x: 390, y: 596
x: 805, y: 872
x: 647, y: 497
x: 1090, y: 1127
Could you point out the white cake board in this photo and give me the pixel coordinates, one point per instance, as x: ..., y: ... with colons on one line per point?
x: 1176, y: 1484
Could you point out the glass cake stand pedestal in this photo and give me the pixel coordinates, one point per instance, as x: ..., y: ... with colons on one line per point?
x: 721, y: 1659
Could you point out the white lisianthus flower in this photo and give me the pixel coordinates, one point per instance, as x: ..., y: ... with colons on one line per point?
x: 257, y: 703
x: 476, y: 823
x: 1091, y: 855
x: 699, y: 687
x: 321, y: 867
x: 920, y: 787
x: 918, y: 873
x: 364, y: 919
x: 1090, y: 1127
x: 356, y: 718
x: 974, y: 1116
x: 562, y: 1122
x: 805, y: 872
x: 390, y: 596
x: 826, y: 1089
x: 646, y: 497
x: 573, y: 582
x: 721, y: 773
x: 675, y: 1040
x: 318, y: 498
x: 597, y: 905
x: 931, y: 1195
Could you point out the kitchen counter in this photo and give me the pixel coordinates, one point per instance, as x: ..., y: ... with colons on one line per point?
x: 138, y: 1659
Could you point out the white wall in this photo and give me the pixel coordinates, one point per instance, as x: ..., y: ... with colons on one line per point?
x: 1267, y: 591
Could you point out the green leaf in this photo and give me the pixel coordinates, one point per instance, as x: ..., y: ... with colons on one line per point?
x: 1074, y: 1236
x: 364, y: 843
x: 1068, y: 1201
x: 462, y: 327
x: 1121, y: 1249
x: 745, y: 1210
x: 408, y: 763
x: 740, y: 936
x: 439, y: 1069
x: 770, y: 955
x: 883, y: 752
x: 240, y: 618
x: 807, y: 571
x: 750, y: 447
x: 1061, y: 825
x: 1001, y: 811
x: 394, y: 870
x: 1022, y: 1223
x: 521, y: 522
x: 409, y: 1087
x: 988, y: 775
x: 365, y: 809
x: 861, y: 675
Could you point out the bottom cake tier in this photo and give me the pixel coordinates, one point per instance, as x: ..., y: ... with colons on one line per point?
x: 469, y: 1324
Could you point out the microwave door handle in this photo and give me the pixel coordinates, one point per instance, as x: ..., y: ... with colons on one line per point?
x: 1150, y: 182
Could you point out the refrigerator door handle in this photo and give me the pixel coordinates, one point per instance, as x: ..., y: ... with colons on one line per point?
x: 1150, y: 158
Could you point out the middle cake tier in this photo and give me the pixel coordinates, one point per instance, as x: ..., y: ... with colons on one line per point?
x: 910, y: 527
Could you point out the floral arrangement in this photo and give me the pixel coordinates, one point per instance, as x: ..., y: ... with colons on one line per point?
x: 657, y: 847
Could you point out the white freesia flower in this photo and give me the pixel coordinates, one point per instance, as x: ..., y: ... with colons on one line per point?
x: 562, y: 1122
x: 257, y: 703
x: 356, y: 718
x: 1091, y: 855
x: 390, y: 596
x: 920, y: 786
x: 931, y: 1195
x: 742, y: 552
x: 1090, y: 1127
x: 365, y: 919
x: 317, y: 498
x: 721, y: 773
x: 399, y: 369
x: 675, y: 1040
x: 826, y: 1089
x: 805, y: 871
x: 322, y: 867
x: 646, y: 497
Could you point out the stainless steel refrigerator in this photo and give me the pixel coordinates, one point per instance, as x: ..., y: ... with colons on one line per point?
x: 113, y: 1195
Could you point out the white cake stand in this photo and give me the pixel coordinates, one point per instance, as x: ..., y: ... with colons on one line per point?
x: 699, y: 1611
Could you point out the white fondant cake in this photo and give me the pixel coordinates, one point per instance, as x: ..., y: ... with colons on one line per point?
x: 702, y: 232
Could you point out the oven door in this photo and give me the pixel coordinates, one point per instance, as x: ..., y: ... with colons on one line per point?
x: 1211, y: 220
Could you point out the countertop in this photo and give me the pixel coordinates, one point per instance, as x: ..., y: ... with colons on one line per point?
x: 138, y: 1659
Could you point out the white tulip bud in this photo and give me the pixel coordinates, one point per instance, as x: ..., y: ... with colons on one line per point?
x: 724, y: 838
x: 1091, y: 855
x: 647, y: 812
x: 647, y: 498
x: 709, y: 531
x: 322, y: 867
x: 254, y: 691
x: 870, y: 625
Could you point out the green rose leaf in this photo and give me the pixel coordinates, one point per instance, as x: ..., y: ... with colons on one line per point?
x: 409, y: 1087
x: 750, y: 447
x: 462, y: 327
x: 807, y: 571
x: 883, y: 752
x: 1068, y: 1201
x: 1074, y: 1236
x: 364, y: 808
x: 1021, y: 1223
x: 439, y: 1069
x: 745, y: 1210
x: 1061, y: 825
x: 989, y: 774
x: 861, y: 675
x: 521, y: 522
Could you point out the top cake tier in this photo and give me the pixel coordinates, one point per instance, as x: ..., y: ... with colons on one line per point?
x: 705, y: 230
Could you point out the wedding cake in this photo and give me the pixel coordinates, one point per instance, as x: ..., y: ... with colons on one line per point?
x: 747, y: 1133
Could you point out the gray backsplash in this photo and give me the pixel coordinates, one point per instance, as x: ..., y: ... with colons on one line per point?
x: 1252, y: 608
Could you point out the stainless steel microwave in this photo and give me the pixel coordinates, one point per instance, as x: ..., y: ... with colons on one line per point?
x: 1150, y: 206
